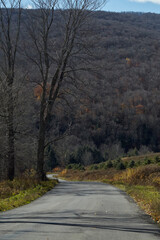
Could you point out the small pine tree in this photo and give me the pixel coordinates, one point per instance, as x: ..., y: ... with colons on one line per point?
x: 109, y: 164
x: 157, y: 159
x: 147, y: 161
x: 131, y: 164
x: 120, y: 166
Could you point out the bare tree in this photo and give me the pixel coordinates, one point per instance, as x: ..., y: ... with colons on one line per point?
x: 53, y: 58
x: 10, y: 19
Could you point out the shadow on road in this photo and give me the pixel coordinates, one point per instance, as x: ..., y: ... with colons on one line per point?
x: 75, y: 218
x: 83, y: 220
x: 71, y: 188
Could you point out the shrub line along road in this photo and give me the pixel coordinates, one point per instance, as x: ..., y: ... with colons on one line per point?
x: 79, y: 211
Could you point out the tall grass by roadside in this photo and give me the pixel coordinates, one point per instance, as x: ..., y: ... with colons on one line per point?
x: 22, y: 190
x: 145, y: 175
x: 147, y: 197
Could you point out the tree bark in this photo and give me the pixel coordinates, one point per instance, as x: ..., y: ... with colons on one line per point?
x: 8, y: 49
x: 41, y: 137
x: 11, y: 137
x: 40, y: 153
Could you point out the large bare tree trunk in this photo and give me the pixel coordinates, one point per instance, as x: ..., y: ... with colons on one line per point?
x: 11, y: 135
x: 9, y: 32
x: 41, y: 140
x: 73, y: 19
x: 40, y: 153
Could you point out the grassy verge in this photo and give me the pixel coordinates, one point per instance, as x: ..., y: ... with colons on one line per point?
x: 148, y: 198
x: 22, y: 191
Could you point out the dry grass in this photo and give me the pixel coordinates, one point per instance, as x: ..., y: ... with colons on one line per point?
x: 97, y: 175
x: 22, y: 190
x: 148, y: 198
x: 12, y: 188
x: 145, y: 175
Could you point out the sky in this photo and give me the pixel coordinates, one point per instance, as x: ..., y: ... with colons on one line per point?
x: 133, y: 5
x: 126, y: 6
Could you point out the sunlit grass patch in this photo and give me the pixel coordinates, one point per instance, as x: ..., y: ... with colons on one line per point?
x: 148, y: 197
x: 17, y: 193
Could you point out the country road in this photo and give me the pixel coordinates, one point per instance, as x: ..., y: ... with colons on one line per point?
x: 79, y: 211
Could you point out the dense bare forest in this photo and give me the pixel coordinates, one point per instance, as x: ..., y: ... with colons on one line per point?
x: 109, y: 104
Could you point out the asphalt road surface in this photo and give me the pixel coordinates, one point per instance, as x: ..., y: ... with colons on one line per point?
x: 79, y: 211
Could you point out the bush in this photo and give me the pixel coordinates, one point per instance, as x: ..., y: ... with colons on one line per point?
x: 120, y: 166
x: 116, y: 162
x: 139, y: 163
x: 157, y: 159
x: 93, y: 167
x: 109, y: 164
x: 131, y: 164
x: 102, y: 165
x: 76, y: 166
x: 147, y: 161
x: 119, y: 159
x: 69, y: 166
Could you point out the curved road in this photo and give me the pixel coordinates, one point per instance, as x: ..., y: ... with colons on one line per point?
x: 79, y: 211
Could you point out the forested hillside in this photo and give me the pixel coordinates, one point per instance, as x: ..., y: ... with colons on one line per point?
x: 111, y: 108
